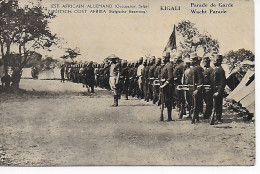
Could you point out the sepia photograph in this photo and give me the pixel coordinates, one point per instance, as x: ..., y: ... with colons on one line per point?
x: 127, y: 83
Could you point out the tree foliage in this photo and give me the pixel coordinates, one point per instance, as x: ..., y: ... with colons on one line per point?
x: 71, y: 53
x: 26, y: 27
x: 193, y: 39
x: 239, y: 56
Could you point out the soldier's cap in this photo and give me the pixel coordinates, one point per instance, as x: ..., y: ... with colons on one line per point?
x: 141, y: 59
x: 145, y: 60
x: 153, y: 58
x: 194, y: 56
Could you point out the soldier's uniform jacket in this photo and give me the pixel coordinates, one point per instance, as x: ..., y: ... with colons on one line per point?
x: 125, y: 73
x: 178, y: 73
x: 195, y: 76
x: 132, y: 72
x: 185, y: 76
x: 167, y: 73
x: 151, y: 72
x: 218, y: 79
x: 207, y: 76
x: 157, y: 72
x: 167, y: 91
x: 145, y: 73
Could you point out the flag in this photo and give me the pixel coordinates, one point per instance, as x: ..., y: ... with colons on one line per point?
x: 171, y: 45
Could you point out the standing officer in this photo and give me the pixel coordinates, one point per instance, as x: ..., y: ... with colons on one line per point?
x: 207, y: 93
x: 195, y: 78
x: 219, y: 82
x: 114, y: 74
x: 166, y: 86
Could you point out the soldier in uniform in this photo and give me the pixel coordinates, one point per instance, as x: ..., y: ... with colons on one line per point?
x: 157, y: 73
x: 145, y: 79
x: 140, y: 68
x: 106, y: 76
x: 207, y: 93
x: 187, y: 96
x: 114, y: 73
x: 151, y: 78
x: 218, y: 79
x: 62, y: 73
x: 90, y: 78
x: 178, y: 73
x: 125, y: 79
x: 166, y: 87
x: 195, y: 78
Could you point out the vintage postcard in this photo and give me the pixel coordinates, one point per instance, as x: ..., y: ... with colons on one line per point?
x: 127, y: 82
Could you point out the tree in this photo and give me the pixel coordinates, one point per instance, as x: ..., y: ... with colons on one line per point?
x: 71, y: 53
x: 239, y: 56
x: 193, y: 39
x: 26, y: 27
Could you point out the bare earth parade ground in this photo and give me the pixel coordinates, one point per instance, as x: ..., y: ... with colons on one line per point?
x: 59, y: 124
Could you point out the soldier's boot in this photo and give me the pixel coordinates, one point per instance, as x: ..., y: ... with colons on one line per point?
x: 169, y: 109
x: 92, y: 89
x: 115, y: 101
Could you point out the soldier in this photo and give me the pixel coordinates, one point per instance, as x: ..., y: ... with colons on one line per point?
x: 166, y: 87
x: 195, y: 78
x: 125, y: 78
x: 140, y: 93
x: 151, y: 78
x: 90, y: 77
x: 207, y: 93
x: 114, y: 78
x: 218, y: 79
x: 157, y: 73
x: 187, y: 96
x: 178, y: 73
x: 145, y: 80
x: 62, y: 73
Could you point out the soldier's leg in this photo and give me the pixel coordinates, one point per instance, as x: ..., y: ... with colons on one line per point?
x: 126, y: 86
x: 169, y: 109
x: 162, y: 108
x: 218, y: 109
x: 154, y: 94
x: 208, y: 99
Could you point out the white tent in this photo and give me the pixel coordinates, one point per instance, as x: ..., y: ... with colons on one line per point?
x: 245, y: 92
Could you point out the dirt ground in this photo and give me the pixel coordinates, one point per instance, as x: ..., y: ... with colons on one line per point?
x: 61, y: 124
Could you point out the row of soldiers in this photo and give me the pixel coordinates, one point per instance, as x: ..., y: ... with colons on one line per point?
x: 84, y: 74
x: 180, y: 83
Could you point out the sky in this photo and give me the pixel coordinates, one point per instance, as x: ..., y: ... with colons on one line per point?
x: 131, y: 36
